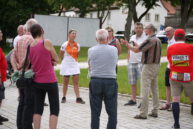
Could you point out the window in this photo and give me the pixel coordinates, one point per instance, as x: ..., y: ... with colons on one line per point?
x: 147, y: 17
x: 157, y: 18
x: 91, y: 15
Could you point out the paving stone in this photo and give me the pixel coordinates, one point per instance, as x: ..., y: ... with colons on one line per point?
x: 77, y: 116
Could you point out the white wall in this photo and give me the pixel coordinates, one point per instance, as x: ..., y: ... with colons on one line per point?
x: 118, y: 19
x: 56, y: 29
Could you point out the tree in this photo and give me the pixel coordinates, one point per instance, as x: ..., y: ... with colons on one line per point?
x: 15, y: 12
x: 102, y: 7
x: 82, y: 6
x: 185, y: 12
x: 132, y: 12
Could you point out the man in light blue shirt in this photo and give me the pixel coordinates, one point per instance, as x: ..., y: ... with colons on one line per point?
x: 102, y: 60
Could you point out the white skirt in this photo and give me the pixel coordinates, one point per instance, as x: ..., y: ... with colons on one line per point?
x: 69, y: 68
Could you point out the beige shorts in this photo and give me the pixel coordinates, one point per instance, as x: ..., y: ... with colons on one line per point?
x: 178, y: 87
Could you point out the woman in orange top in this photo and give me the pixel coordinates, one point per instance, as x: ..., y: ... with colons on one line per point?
x: 69, y: 66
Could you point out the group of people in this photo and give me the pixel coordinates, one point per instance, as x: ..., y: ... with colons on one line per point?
x: 144, y: 53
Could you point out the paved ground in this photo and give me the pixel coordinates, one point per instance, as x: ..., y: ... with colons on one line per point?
x: 77, y: 116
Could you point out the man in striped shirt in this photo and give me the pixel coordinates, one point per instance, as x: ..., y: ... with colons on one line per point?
x: 151, y: 54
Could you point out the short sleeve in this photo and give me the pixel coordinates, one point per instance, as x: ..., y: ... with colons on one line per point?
x: 78, y: 47
x: 63, y: 47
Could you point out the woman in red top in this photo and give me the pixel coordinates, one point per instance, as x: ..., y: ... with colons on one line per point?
x: 3, y: 69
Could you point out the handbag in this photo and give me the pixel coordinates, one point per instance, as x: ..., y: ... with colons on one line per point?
x: 23, y: 81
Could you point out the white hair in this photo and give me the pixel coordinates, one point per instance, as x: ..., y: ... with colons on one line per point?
x: 30, y: 22
x: 102, y: 34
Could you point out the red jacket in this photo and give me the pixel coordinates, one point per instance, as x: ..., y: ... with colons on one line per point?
x: 180, y: 57
x: 3, y: 66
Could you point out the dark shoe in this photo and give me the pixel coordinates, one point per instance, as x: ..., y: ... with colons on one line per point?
x: 176, y: 127
x: 139, y: 105
x: 153, y: 115
x: 3, y: 119
x: 165, y: 107
x: 140, y: 117
x: 63, y: 100
x: 1, y: 123
x: 45, y: 104
x: 130, y: 103
x: 79, y: 100
x: 169, y: 109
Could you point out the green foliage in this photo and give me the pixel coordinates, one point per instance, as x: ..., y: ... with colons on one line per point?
x: 15, y: 12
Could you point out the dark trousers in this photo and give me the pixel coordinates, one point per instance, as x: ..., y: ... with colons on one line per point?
x: 25, y: 108
x: 103, y: 89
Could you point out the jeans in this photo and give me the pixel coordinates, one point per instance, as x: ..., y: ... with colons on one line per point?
x: 25, y: 108
x: 103, y: 89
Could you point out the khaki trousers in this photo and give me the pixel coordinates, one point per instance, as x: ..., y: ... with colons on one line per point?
x: 149, y: 82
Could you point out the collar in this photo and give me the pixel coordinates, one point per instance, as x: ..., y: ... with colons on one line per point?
x: 179, y: 42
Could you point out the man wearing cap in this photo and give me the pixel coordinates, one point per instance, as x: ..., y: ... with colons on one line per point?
x: 180, y: 57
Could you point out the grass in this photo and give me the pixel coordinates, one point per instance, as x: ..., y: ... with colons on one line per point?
x: 122, y: 79
x: 84, y: 52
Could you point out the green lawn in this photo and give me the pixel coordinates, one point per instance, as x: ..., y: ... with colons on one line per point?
x: 84, y: 52
x: 122, y: 79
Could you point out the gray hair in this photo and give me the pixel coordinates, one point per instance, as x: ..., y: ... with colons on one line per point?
x: 30, y: 22
x: 102, y: 34
x: 152, y: 27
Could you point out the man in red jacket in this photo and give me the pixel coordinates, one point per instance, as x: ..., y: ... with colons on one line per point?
x: 180, y: 57
x: 3, y: 69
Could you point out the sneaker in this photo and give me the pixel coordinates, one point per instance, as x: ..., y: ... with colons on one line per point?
x: 176, y: 127
x: 140, y: 117
x: 155, y: 115
x: 79, y: 100
x: 45, y: 104
x: 130, y: 103
x: 63, y: 100
x: 3, y: 119
x: 139, y: 105
x: 165, y: 107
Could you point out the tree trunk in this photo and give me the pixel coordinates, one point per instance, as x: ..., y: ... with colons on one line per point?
x: 129, y: 20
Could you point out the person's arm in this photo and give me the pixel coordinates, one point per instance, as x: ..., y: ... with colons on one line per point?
x: 48, y: 45
x: 118, y: 45
x: 13, y: 61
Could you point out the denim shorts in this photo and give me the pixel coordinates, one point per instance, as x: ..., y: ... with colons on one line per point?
x: 134, y: 72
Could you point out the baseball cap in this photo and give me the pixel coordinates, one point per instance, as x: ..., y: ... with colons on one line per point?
x: 180, y: 33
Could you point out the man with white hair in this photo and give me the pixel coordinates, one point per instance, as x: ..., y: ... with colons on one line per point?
x: 20, y: 32
x: 170, y: 35
x: 102, y: 60
x: 26, y: 101
x: 151, y: 54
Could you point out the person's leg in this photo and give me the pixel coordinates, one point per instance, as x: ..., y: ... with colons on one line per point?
x: 110, y: 99
x: 96, y: 97
x: 167, y: 106
x: 20, y: 109
x: 65, y: 85
x: 75, y: 79
x: 191, y: 100
x: 155, y: 98
x: 39, y: 98
x: 53, y: 96
x: 28, y: 110
x: 176, y: 89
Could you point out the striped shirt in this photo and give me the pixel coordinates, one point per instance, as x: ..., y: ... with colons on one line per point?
x: 151, y: 50
x: 19, y: 53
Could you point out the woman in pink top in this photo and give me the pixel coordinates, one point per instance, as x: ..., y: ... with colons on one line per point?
x: 43, y: 56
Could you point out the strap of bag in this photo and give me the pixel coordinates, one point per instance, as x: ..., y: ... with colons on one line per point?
x: 25, y: 63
